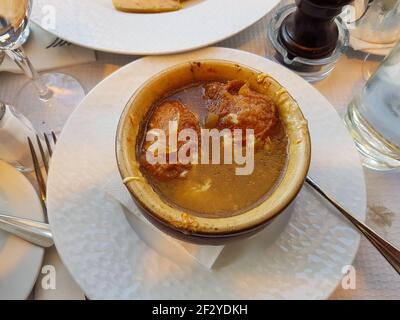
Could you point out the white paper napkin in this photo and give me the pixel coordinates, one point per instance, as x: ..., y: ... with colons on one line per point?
x: 14, y: 130
x: 161, y: 242
x: 45, y: 57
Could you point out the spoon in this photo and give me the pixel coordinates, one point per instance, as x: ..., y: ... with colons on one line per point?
x: 388, y: 250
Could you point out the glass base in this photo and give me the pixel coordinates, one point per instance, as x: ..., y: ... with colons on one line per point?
x: 50, y: 113
x: 371, y: 157
x: 20, y: 167
x: 311, y: 70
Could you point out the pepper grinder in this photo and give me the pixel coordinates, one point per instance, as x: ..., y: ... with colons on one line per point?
x: 309, y: 36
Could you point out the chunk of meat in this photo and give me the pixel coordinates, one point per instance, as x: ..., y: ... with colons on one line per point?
x: 162, y: 115
x: 239, y: 107
x: 216, y: 90
x: 173, y: 111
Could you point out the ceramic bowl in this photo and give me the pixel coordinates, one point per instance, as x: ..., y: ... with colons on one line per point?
x: 177, y: 222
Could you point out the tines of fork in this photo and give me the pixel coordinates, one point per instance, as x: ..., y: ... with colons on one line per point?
x: 58, y: 43
x: 45, y: 151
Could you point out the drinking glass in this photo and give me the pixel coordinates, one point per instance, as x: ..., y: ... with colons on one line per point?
x: 379, y: 23
x: 48, y: 99
x: 373, y: 117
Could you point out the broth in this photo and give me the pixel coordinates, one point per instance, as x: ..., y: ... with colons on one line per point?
x: 210, y: 190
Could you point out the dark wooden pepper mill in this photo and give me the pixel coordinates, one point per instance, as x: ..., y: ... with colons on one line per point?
x: 311, y: 32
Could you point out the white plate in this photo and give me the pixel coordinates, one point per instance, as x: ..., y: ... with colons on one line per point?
x: 107, y: 258
x: 97, y: 25
x: 20, y: 261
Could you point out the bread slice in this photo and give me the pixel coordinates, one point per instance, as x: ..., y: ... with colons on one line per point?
x: 147, y: 6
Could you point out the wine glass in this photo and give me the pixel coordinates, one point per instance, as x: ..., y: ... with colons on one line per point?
x: 48, y: 99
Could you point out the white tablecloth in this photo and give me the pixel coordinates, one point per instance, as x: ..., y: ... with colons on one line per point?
x: 375, y: 278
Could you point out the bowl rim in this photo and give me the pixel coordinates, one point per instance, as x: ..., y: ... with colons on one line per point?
x: 185, y: 222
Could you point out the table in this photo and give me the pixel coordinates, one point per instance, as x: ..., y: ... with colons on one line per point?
x: 375, y: 278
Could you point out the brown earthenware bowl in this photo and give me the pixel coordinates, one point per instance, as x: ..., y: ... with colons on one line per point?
x: 184, y: 225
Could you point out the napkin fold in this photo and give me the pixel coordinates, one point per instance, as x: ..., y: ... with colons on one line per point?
x: 46, y: 52
x: 14, y: 130
x: 164, y: 244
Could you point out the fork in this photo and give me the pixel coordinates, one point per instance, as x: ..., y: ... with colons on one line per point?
x: 45, y: 159
x: 2, y: 55
x: 58, y: 43
x: 37, y: 168
x: 34, y: 231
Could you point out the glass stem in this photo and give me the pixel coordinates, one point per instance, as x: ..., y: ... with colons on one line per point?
x: 20, y: 58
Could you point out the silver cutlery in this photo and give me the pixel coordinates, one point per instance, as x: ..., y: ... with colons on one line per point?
x: 388, y: 250
x: 40, y: 178
x: 35, y: 232
x: 2, y: 55
x: 58, y: 43
x: 2, y: 105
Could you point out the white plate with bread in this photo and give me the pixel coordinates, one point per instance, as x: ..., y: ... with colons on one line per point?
x: 20, y: 261
x: 147, y: 27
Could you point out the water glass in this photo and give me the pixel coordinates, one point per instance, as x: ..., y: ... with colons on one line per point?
x: 48, y: 99
x: 379, y: 23
x: 373, y: 117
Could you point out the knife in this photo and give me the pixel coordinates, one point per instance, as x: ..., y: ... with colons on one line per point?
x: 35, y: 232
